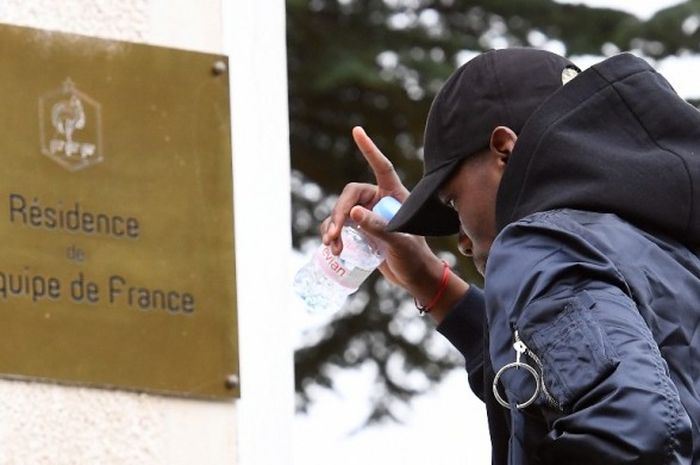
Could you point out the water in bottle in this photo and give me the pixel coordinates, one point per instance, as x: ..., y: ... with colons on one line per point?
x: 325, y: 282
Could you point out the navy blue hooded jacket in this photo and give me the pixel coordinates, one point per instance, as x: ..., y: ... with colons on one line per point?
x: 595, y: 268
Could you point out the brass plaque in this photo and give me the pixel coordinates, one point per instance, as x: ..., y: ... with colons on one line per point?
x: 116, y: 215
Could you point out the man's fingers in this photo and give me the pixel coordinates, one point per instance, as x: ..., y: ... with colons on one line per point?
x: 353, y: 194
x: 369, y: 222
x: 324, y: 229
x: 364, y: 195
x: 329, y: 236
x: 383, y: 169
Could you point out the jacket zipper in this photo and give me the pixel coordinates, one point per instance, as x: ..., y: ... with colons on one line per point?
x: 520, y: 347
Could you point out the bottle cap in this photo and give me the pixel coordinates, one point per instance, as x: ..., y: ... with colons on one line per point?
x: 387, y: 207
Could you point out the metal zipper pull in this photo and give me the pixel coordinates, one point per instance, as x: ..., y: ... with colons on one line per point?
x: 520, y: 349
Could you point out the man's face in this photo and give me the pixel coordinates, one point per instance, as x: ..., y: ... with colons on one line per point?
x: 471, y: 192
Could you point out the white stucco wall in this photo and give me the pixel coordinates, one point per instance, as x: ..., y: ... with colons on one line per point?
x: 255, y: 42
x: 57, y: 425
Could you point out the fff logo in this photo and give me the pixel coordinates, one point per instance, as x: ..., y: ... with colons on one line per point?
x: 71, y: 127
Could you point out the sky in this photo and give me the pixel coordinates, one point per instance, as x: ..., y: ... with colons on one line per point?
x: 644, y: 9
x: 448, y: 425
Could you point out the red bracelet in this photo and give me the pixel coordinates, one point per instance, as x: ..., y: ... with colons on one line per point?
x: 438, y: 295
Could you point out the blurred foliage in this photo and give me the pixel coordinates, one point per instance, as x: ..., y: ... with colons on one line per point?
x: 378, y: 64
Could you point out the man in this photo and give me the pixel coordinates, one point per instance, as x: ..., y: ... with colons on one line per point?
x: 578, y: 196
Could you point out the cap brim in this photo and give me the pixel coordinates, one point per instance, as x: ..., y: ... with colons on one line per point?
x: 422, y: 213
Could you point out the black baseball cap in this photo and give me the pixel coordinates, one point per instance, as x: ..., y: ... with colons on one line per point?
x: 496, y: 88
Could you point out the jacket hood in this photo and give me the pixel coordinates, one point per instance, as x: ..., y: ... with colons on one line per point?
x: 615, y: 139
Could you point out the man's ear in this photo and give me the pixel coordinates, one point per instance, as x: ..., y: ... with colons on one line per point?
x: 502, y: 142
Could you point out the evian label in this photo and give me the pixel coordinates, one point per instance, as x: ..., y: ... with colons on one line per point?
x: 333, y: 267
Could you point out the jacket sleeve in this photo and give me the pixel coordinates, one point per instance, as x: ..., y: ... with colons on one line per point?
x: 464, y: 328
x: 608, y: 397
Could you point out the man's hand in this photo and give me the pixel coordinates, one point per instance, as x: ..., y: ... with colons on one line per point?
x: 366, y: 195
x: 409, y: 261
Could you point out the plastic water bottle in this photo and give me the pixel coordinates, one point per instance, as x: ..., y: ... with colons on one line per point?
x: 326, y: 281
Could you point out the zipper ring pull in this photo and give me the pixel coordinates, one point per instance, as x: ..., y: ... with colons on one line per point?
x: 520, y: 349
x: 516, y: 365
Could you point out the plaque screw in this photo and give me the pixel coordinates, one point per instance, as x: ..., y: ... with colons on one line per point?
x: 232, y: 381
x: 219, y: 67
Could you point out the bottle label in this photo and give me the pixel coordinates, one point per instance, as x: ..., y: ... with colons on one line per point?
x: 338, y: 271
